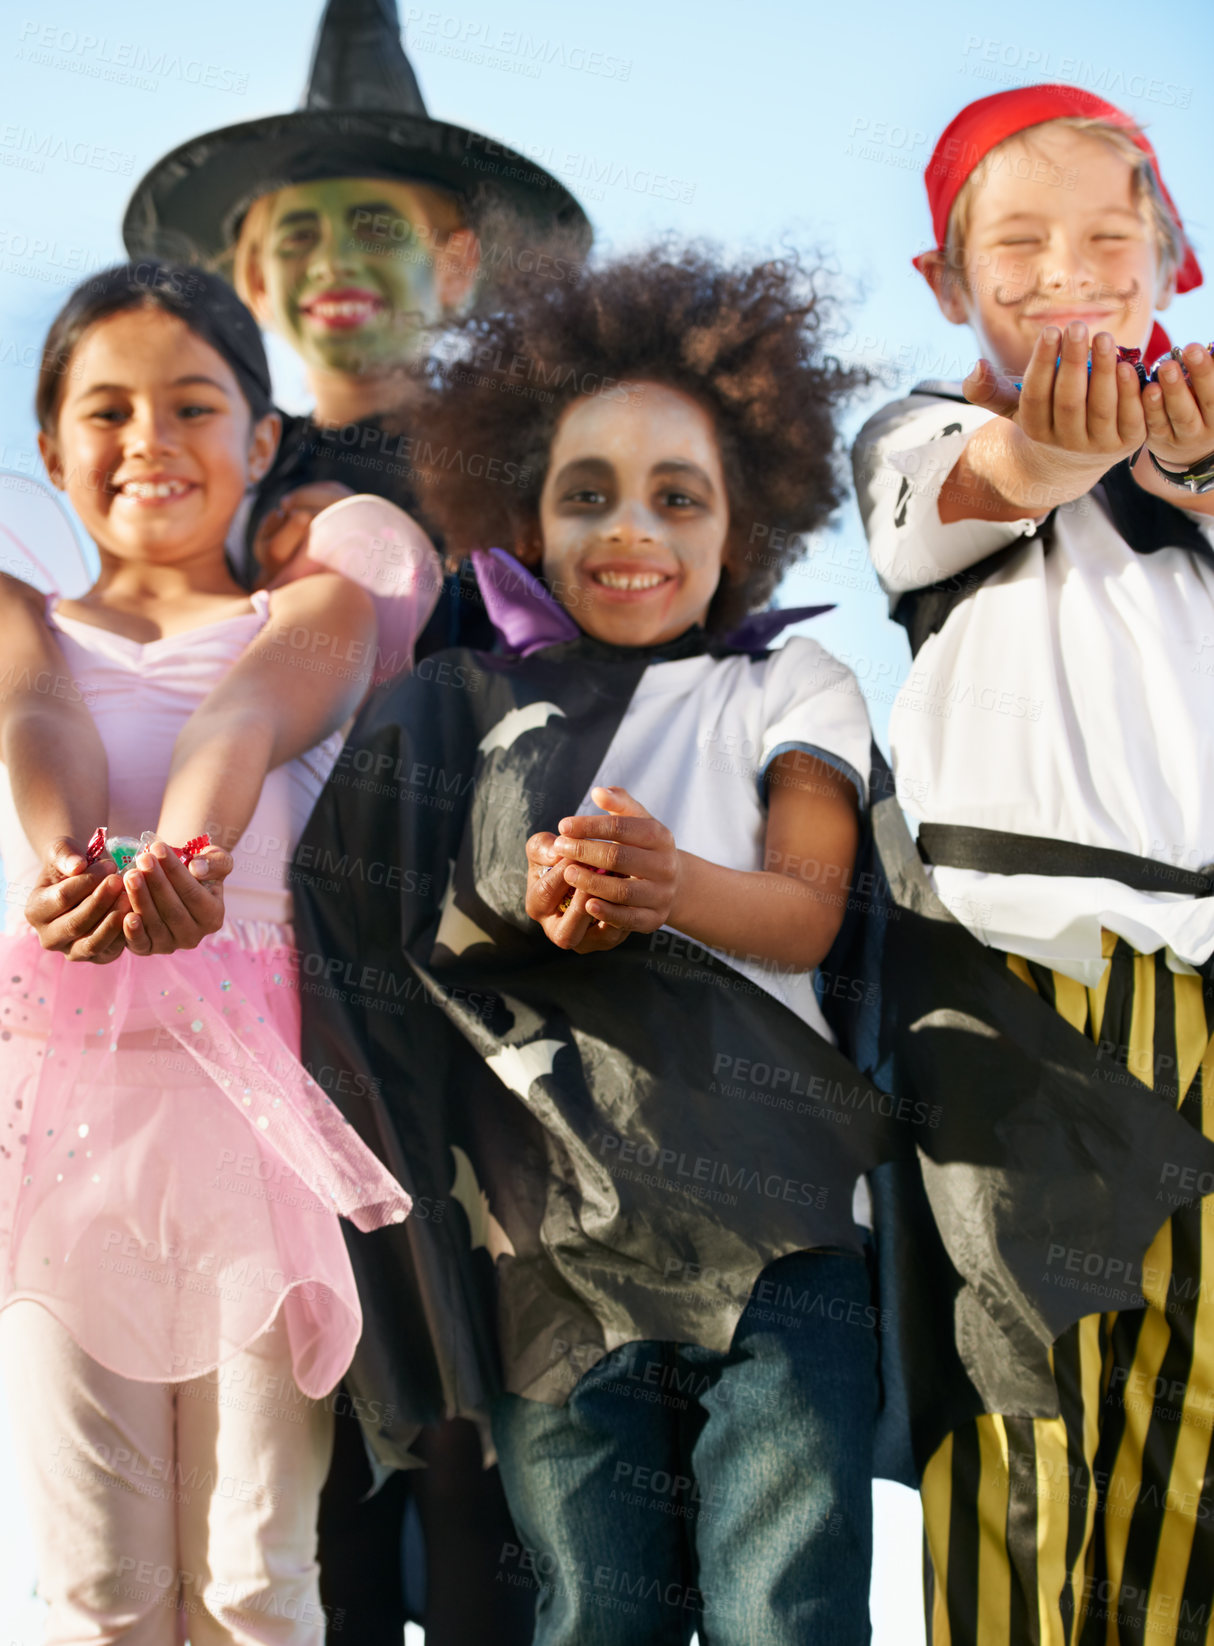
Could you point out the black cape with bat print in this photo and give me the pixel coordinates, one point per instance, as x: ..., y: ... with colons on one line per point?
x: 587, y: 1166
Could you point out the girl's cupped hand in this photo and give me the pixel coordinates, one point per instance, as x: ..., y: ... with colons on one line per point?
x: 90, y: 912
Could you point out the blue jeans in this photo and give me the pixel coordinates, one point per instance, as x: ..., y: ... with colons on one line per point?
x: 680, y: 1488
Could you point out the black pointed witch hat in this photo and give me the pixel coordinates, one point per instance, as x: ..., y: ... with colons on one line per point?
x: 363, y: 116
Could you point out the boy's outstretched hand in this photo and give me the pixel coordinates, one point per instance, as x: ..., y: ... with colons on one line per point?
x: 1179, y: 412
x: 635, y: 894
x: 1094, y: 419
x: 1056, y: 433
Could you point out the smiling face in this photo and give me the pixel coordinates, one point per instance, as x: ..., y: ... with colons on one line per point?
x: 154, y: 442
x: 1056, y: 233
x: 634, y: 515
x: 353, y: 271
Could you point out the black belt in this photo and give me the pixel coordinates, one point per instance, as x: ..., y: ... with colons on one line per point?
x: 991, y: 851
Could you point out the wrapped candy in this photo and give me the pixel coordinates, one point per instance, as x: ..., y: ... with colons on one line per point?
x: 1133, y: 357
x: 1176, y: 354
x: 125, y: 848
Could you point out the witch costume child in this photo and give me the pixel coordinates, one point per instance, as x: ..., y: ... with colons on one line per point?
x: 353, y: 227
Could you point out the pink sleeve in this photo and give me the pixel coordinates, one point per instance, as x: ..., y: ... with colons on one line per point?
x: 385, y: 551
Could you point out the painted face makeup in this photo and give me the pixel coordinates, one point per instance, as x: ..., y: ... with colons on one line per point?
x: 634, y: 514
x: 1056, y: 238
x: 348, y: 266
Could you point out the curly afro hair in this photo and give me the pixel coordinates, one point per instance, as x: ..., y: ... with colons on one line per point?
x: 744, y: 342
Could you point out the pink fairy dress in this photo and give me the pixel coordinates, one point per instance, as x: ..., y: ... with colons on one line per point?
x: 170, y: 1174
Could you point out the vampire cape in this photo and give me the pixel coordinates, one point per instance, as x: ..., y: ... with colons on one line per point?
x: 584, y: 1171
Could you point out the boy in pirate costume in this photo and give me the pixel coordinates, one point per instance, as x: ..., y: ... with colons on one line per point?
x: 353, y: 227
x: 1046, y: 539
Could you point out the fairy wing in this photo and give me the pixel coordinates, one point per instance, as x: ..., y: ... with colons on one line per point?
x: 38, y: 542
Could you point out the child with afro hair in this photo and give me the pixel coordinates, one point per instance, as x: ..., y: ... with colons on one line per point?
x: 742, y: 343
x: 651, y: 1276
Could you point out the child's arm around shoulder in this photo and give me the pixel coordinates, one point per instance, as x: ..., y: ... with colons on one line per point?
x: 299, y: 680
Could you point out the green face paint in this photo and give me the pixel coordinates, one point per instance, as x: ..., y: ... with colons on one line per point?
x: 348, y: 268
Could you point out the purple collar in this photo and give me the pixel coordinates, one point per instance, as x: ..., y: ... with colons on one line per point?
x: 528, y: 617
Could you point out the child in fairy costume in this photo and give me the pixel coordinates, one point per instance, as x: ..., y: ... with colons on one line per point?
x: 177, y: 1298
x: 1045, y: 537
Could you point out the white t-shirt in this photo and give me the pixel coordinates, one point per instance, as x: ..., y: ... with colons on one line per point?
x: 695, y: 745
x: 1071, y: 696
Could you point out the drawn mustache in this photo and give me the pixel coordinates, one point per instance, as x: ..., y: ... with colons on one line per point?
x: 1102, y: 294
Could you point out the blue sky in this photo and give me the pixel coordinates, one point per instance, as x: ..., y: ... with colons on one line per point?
x: 770, y: 120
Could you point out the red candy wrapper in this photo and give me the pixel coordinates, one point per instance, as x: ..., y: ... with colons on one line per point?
x: 192, y: 847
x: 123, y: 850
x: 1132, y: 357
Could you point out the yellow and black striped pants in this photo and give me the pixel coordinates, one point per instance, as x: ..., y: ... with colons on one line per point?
x: 1096, y: 1528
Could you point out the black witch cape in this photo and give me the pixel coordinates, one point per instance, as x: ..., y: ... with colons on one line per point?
x: 612, y: 1147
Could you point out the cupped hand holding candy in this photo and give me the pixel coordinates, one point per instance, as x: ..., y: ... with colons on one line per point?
x: 174, y: 904
x: 1178, y: 406
x: 1082, y: 416
x: 88, y: 911
x: 603, y: 877
x: 77, y: 907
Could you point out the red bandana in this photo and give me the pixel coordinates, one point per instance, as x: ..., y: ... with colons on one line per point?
x: 982, y: 126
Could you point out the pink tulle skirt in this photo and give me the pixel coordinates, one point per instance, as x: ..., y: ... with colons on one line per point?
x: 170, y: 1175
